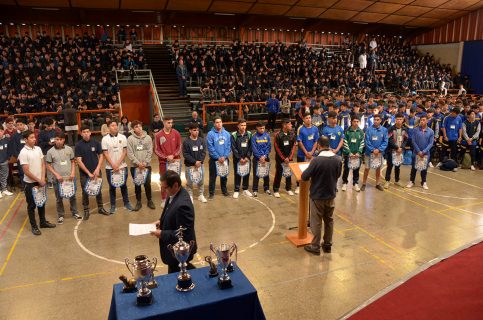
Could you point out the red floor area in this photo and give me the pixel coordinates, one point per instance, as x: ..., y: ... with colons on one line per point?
x: 451, y: 289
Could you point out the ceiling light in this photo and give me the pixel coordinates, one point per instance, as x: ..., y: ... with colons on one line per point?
x: 23, y: 24
x: 47, y: 9
x: 297, y: 18
x: 137, y: 26
x: 148, y: 26
x: 88, y: 25
x: 142, y: 11
x: 223, y: 14
x: 359, y: 22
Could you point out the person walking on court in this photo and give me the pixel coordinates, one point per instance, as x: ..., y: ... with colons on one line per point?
x: 323, y: 173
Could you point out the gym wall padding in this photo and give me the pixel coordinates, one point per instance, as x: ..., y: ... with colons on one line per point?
x: 472, y: 64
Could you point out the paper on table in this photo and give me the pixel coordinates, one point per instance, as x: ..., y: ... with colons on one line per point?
x: 303, y: 166
x: 140, y: 229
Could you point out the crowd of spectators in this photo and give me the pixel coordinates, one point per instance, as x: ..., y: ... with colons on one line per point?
x: 43, y: 73
x: 251, y: 71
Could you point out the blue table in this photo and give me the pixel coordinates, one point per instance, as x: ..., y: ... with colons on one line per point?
x: 205, y: 301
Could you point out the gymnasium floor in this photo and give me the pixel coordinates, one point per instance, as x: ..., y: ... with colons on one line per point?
x: 68, y: 272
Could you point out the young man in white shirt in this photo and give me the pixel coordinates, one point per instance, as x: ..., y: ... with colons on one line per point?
x: 31, y: 159
x: 114, y: 147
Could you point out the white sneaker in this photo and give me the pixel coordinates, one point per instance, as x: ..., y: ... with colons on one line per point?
x: 386, y: 185
x: 344, y: 187
x: 191, y: 197
x: 202, y: 199
x: 1, y: 196
x: 410, y: 185
x: 235, y: 195
x: 247, y: 193
x: 431, y: 164
x: 276, y: 195
x: 397, y: 183
x: 290, y: 193
x: 357, y: 188
x: 8, y: 193
x: 425, y: 186
x: 297, y: 190
x: 163, y: 203
x: 472, y: 169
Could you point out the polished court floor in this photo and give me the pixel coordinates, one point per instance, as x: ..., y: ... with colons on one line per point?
x: 68, y: 272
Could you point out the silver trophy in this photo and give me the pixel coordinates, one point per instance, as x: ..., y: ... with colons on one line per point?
x: 223, y: 253
x: 181, y: 250
x: 142, y: 269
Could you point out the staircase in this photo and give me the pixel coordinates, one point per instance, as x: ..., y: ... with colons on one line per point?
x: 158, y: 58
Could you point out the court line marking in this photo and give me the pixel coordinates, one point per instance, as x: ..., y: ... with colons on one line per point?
x: 12, y: 249
x: 376, y: 257
x: 468, y: 184
x: 442, y: 195
x: 76, y: 236
x: 4, y: 232
x: 10, y: 208
x: 464, y: 206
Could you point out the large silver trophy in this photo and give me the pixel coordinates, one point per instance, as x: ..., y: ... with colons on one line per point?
x: 181, y: 250
x: 142, y: 269
x: 223, y: 253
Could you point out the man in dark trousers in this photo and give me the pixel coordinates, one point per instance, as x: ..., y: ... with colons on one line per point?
x: 323, y: 172
x: 178, y: 212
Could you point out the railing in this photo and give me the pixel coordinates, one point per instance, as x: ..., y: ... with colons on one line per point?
x: 142, y: 75
x: 252, y: 112
x: 169, y: 43
x: 33, y: 115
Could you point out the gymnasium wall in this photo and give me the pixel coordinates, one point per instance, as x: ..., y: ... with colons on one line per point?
x: 465, y: 28
x: 451, y: 53
x: 472, y: 64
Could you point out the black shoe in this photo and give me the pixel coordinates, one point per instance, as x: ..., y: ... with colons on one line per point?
x: 379, y: 187
x: 103, y: 211
x: 86, y: 214
x: 363, y: 187
x: 312, y: 250
x: 226, y: 194
x: 327, y: 248
x: 36, y: 231
x: 211, y: 197
x: 138, y: 206
x: 151, y: 205
x: 47, y: 224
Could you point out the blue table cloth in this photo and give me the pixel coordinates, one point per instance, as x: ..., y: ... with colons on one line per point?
x: 205, y: 301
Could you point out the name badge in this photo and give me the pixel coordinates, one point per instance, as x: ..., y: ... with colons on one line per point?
x: 353, y: 140
x: 399, y: 138
x: 374, y: 138
x: 452, y: 126
x: 22, y: 141
x: 244, y: 144
x: 63, y: 163
x: 93, y: 149
x: 1, y: 147
x: 311, y: 137
x: 195, y: 148
x: 52, y: 140
x: 286, y: 143
x: 139, y: 147
x: 332, y: 137
x: 410, y: 127
x: 221, y: 142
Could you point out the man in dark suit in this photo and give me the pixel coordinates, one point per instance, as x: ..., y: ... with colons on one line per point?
x: 177, y: 212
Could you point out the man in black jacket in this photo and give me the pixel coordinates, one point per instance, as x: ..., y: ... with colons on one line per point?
x: 323, y: 172
x: 284, y: 145
x: 178, y: 212
x: 241, y: 147
x: 194, y: 153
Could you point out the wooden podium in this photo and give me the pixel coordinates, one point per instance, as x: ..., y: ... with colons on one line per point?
x: 302, y: 237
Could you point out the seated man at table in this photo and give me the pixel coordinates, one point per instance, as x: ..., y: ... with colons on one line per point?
x: 178, y: 212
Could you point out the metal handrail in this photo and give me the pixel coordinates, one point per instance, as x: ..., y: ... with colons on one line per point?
x: 143, y: 75
x: 119, y: 95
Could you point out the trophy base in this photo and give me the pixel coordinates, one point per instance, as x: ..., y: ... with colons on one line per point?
x: 152, y: 284
x: 144, y: 300
x: 212, y: 275
x: 224, y: 284
x: 185, y: 285
x: 128, y: 289
x: 230, y: 267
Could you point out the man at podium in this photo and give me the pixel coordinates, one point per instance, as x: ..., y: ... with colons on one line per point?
x: 323, y: 173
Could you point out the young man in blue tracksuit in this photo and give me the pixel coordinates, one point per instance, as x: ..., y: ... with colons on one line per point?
x: 452, y: 131
x: 423, y: 140
x: 273, y: 108
x: 218, y: 141
x: 376, y: 144
x: 261, y: 148
x: 334, y: 133
x: 307, y: 136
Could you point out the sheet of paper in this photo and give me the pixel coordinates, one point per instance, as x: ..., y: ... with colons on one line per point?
x: 140, y: 229
x: 303, y: 166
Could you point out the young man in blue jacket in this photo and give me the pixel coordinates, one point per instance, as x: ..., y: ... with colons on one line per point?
x: 261, y: 148
x: 273, y: 108
x: 423, y: 140
x: 452, y: 130
x: 376, y: 144
x: 334, y: 133
x: 218, y: 141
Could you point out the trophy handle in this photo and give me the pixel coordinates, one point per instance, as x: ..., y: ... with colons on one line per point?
x: 192, y: 245
x: 170, y: 248
x: 126, y: 261
x: 234, y: 248
x: 155, y: 263
x: 213, y: 249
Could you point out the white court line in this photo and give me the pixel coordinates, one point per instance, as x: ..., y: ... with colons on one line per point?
x: 468, y: 184
x: 440, y: 195
x: 76, y: 236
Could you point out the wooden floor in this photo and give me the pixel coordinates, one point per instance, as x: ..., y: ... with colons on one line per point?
x: 68, y: 272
